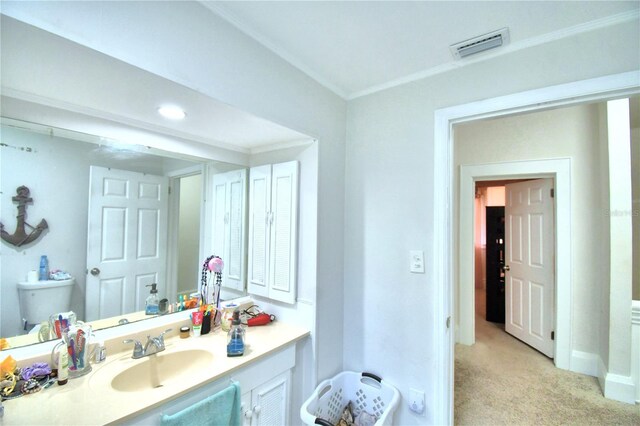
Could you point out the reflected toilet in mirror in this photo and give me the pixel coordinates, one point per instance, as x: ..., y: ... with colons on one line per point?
x: 39, y: 299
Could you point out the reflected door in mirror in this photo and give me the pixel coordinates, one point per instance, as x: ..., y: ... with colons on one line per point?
x: 126, y: 242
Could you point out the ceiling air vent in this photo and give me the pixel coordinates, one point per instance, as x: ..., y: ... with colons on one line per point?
x: 480, y: 44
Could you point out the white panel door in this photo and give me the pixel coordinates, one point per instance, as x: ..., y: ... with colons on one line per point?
x: 530, y: 267
x: 127, y: 239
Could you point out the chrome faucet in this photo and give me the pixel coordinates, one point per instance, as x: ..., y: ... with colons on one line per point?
x: 153, y: 345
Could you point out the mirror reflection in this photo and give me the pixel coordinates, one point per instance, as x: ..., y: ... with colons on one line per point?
x: 120, y: 218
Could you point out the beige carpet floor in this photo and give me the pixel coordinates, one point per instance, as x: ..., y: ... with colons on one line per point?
x: 502, y: 381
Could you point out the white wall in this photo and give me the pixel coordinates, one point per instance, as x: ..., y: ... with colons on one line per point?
x: 389, y: 193
x: 46, y: 171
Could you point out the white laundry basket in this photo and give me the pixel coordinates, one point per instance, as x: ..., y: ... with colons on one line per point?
x: 366, y: 391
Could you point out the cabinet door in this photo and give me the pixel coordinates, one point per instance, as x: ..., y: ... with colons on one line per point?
x: 270, y: 402
x: 283, y: 244
x: 234, y: 252
x: 219, y: 217
x: 259, y: 214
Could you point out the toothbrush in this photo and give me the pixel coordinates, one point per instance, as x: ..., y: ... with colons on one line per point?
x: 72, y: 352
x: 81, y: 347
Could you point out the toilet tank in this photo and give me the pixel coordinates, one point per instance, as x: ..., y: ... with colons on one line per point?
x: 40, y: 299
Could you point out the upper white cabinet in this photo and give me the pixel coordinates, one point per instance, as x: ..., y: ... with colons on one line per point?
x: 228, y: 193
x: 273, y: 231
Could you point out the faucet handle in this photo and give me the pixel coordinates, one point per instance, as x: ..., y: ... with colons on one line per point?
x: 161, y: 336
x: 137, y: 349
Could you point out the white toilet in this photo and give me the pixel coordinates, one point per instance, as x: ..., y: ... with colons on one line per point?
x: 41, y: 299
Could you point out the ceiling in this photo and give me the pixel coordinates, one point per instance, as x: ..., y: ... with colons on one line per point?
x: 351, y: 47
x: 359, y: 47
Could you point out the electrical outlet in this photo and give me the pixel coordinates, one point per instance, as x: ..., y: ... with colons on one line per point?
x: 416, y: 401
x: 417, y: 261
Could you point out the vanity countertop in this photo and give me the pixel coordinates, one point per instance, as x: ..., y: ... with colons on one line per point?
x: 91, y: 399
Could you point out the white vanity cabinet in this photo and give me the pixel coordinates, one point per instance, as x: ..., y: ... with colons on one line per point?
x: 273, y: 231
x: 228, y: 225
x: 265, y: 385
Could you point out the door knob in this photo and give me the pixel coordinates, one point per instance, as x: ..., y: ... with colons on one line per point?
x: 506, y: 268
x: 95, y: 272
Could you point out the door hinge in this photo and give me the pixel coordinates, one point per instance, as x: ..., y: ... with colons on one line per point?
x: 553, y: 193
x: 169, y: 188
x: 553, y: 335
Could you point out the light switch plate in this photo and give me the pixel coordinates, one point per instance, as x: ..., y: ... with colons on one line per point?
x: 417, y: 261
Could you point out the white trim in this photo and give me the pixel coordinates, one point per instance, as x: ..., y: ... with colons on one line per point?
x: 620, y: 388
x: 558, y: 169
x: 282, y: 145
x: 607, y: 87
x: 584, y: 363
x: 635, y: 346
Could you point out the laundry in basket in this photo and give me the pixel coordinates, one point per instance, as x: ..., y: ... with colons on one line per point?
x: 366, y: 392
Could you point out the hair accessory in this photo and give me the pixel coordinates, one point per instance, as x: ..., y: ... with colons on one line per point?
x: 30, y: 386
x: 213, y: 264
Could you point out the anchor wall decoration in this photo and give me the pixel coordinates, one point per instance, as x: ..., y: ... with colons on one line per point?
x: 20, y: 236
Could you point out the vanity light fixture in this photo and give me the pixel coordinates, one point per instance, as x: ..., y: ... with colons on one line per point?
x: 172, y: 112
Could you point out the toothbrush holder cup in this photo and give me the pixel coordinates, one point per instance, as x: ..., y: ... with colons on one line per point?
x: 78, y: 340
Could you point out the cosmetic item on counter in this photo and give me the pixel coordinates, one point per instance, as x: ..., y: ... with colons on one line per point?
x: 44, y: 268
x: 63, y: 365
x: 163, y: 307
x: 101, y: 352
x: 196, y: 320
x: 235, y: 337
x: 184, y: 332
x: 206, y: 322
x: 152, y: 303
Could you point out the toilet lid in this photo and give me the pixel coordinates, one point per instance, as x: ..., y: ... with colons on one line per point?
x: 24, y: 285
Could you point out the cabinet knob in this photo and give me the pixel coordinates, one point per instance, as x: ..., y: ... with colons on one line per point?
x: 248, y: 414
x: 257, y: 409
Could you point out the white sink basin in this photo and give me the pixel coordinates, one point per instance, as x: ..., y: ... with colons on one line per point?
x: 161, y: 369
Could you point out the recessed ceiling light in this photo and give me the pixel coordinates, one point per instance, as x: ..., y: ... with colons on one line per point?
x: 172, y: 112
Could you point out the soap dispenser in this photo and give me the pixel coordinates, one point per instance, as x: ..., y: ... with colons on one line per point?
x: 235, y: 337
x: 152, y: 303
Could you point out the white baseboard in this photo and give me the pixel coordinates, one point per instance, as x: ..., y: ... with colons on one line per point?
x: 620, y: 388
x: 584, y: 363
x: 616, y: 387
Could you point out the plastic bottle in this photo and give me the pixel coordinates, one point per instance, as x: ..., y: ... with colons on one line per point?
x: 63, y: 365
x: 152, y: 303
x: 44, y: 268
x: 235, y: 337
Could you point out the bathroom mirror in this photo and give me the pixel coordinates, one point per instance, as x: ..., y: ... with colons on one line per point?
x: 57, y: 165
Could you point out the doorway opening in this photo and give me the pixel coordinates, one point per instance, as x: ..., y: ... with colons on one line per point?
x: 185, y: 226
x: 519, y: 302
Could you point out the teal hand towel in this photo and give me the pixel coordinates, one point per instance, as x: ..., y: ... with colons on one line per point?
x: 221, y: 409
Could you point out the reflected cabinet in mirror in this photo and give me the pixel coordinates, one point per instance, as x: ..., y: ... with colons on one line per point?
x: 120, y: 218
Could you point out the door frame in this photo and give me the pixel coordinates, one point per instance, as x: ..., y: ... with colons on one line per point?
x: 560, y: 171
x: 574, y: 93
